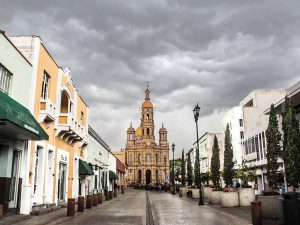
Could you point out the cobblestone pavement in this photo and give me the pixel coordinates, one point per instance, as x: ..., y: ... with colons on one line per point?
x: 127, y: 209
x: 169, y: 209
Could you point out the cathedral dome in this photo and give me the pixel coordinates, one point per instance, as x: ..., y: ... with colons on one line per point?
x: 138, y: 132
x: 147, y: 104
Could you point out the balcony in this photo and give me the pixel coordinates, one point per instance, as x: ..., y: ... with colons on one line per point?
x: 47, y: 111
x: 70, y: 130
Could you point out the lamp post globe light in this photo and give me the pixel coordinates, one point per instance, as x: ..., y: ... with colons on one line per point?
x: 196, y: 112
x: 173, y: 178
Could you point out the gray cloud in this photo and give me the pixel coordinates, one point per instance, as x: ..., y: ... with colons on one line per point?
x: 211, y: 52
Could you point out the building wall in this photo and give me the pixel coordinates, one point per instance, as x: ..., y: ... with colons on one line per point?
x: 58, y: 149
x: 232, y: 118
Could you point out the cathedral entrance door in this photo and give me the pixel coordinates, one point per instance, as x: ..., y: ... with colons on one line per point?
x: 148, y: 176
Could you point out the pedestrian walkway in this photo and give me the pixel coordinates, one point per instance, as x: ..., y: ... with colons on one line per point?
x: 128, y: 208
x: 169, y: 209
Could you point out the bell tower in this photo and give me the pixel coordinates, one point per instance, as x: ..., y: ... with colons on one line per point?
x: 163, y: 139
x: 147, y: 122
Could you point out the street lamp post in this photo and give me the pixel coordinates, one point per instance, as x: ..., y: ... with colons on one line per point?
x: 196, y: 112
x: 173, y: 179
x: 165, y: 164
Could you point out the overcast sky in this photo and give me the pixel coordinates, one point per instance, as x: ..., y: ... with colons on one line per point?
x: 211, y: 52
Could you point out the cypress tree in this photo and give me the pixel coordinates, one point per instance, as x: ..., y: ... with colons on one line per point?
x: 197, y: 169
x: 291, y: 144
x: 273, y: 147
x: 228, y: 159
x: 189, y: 171
x: 182, y: 169
x: 215, y: 164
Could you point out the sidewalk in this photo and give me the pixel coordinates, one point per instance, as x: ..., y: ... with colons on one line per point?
x: 55, y: 217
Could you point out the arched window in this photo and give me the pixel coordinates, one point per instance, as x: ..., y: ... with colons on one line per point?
x: 148, y: 158
x: 148, y: 131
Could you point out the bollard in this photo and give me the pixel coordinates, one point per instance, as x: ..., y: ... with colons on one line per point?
x: 115, y: 192
x: 71, y: 207
x: 107, y: 196
x: 99, y: 198
x: 80, y: 203
x: 180, y: 193
x: 110, y: 194
x: 89, y: 201
x: 95, y: 199
x: 122, y: 189
x: 256, y: 213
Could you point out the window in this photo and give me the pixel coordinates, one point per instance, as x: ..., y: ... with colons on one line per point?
x: 156, y: 158
x: 241, y: 123
x: 139, y: 159
x: 82, y: 118
x: 5, y: 79
x: 242, y: 134
x: 45, y: 87
x: 148, y: 117
x: 148, y: 131
x: 148, y: 157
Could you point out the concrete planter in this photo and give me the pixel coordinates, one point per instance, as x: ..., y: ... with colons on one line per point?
x: 230, y: 199
x: 215, y: 197
x: 207, y: 194
x: 195, y: 193
x: 246, y: 196
x: 271, y: 207
x: 184, y: 190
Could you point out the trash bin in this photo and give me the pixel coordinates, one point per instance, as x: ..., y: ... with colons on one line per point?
x: 291, y: 208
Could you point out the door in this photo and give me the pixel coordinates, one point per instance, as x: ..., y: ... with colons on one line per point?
x: 148, y: 176
x: 15, y: 175
x: 62, y: 181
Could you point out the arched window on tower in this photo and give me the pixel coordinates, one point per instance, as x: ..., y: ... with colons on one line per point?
x: 148, y: 131
x: 148, y: 158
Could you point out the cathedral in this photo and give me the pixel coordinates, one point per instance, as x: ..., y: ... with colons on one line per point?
x: 147, y: 161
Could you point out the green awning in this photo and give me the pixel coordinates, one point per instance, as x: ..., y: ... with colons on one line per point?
x: 84, y: 168
x: 113, y: 175
x: 17, y: 121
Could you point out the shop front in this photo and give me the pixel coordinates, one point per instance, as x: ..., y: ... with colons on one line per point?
x: 17, y: 127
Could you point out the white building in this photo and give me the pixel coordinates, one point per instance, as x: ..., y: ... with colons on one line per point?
x: 248, y: 123
x: 206, y: 143
x: 98, y: 158
x: 234, y: 118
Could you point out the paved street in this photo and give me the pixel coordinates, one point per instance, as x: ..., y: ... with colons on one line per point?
x: 170, y: 209
x: 130, y: 209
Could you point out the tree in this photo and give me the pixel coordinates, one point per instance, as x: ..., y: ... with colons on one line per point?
x: 228, y: 159
x: 197, y: 168
x: 182, y: 169
x: 189, y: 171
x: 273, y: 147
x: 291, y: 144
x: 215, y: 164
x: 246, y: 174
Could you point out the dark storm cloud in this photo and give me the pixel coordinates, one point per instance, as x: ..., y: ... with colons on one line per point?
x: 213, y: 52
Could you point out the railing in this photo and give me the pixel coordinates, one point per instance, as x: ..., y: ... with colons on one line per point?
x: 47, y: 108
x: 67, y: 119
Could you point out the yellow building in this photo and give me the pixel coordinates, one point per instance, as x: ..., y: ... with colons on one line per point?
x: 120, y: 155
x: 147, y: 161
x: 55, y: 164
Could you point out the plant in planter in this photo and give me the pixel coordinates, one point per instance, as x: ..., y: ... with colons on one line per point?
x: 182, y: 169
x: 230, y: 197
x: 246, y: 193
x: 189, y: 171
x: 291, y: 145
x: 273, y: 151
x: 215, y: 174
x: 228, y: 159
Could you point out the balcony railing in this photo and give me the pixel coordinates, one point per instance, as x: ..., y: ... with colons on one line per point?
x: 46, y: 111
x: 69, y: 129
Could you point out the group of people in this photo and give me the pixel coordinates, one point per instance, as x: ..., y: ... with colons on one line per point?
x: 152, y: 187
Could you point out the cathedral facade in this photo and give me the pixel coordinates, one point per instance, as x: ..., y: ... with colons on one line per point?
x: 147, y: 161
